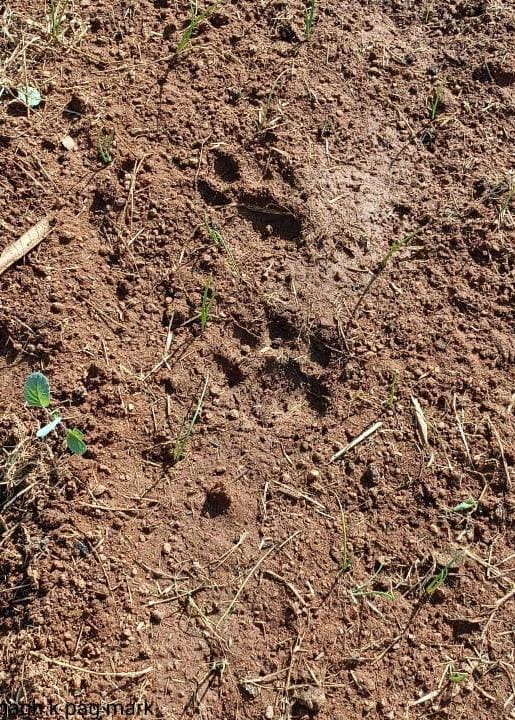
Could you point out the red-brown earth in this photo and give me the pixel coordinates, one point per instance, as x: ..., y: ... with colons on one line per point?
x: 270, y: 176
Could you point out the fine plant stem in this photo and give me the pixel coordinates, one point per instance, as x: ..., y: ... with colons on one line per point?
x: 208, y: 298
x: 440, y: 577
x: 309, y: 20
x: 362, y: 591
x: 219, y: 241
x: 436, y: 100
x: 196, y: 18
x: 104, y: 144
x: 392, y: 390
x: 346, y: 561
x: 186, y: 429
x: 379, y: 270
x: 57, y: 11
x: 264, y: 123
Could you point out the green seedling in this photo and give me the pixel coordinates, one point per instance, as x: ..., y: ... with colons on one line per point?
x: 362, y: 590
x: 309, y: 20
x: 457, y: 676
x: 436, y: 100
x: 466, y: 506
x: 36, y: 392
x: 437, y: 580
x: 440, y: 577
x: 379, y: 269
x: 392, y: 390
x: 208, y: 299
x: 105, y: 139
x: 57, y: 11
x: 186, y: 430
x: 196, y: 18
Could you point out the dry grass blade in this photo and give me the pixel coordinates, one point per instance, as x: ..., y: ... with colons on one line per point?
x: 421, y: 420
x: 274, y: 548
x: 364, y: 435
x: 20, y: 247
x: 78, y: 668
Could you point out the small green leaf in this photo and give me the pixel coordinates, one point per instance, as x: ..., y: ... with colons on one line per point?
x: 29, y: 96
x: 458, y: 677
x: 465, y: 506
x: 36, y: 390
x: 75, y: 441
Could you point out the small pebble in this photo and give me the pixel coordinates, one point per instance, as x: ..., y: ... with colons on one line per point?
x: 233, y: 414
x: 98, y: 490
x: 167, y: 548
x: 68, y: 143
x: 269, y: 712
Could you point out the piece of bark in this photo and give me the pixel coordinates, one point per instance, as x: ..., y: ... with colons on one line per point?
x: 20, y: 247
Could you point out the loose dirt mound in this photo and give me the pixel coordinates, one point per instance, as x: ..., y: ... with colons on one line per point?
x: 276, y: 244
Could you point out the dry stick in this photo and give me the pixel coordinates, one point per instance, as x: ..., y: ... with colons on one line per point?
x: 61, y: 663
x: 251, y: 573
x: 459, y: 422
x: 379, y: 269
x: 287, y: 584
x: 19, y: 248
x: 501, y: 450
x: 364, y: 435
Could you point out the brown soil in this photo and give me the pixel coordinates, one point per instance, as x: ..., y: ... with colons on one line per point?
x: 254, y: 578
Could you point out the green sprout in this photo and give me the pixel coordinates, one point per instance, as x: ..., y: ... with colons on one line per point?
x: 469, y: 505
x: 457, y: 676
x: 196, y: 18
x: 309, y: 20
x: 105, y: 139
x: 36, y: 392
x: 57, y: 11
x: 186, y: 430
x: 379, y: 269
x: 440, y: 577
x: 436, y: 100
x: 392, y: 390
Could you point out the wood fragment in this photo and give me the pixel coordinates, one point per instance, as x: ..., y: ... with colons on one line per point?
x: 289, y: 585
x: 364, y: 435
x: 88, y: 671
x: 421, y: 420
x: 20, y: 247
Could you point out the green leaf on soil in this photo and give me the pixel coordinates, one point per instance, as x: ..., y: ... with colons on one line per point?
x: 36, y: 390
x: 465, y: 506
x: 75, y: 441
x: 29, y: 96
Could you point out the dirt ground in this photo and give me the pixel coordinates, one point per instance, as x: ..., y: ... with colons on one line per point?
x: 281, y: 235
